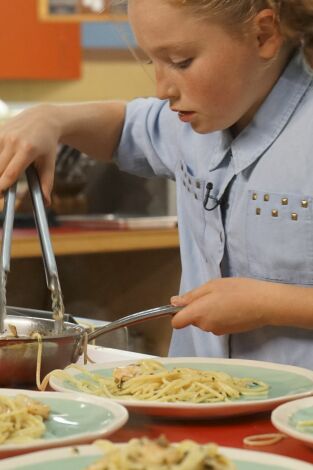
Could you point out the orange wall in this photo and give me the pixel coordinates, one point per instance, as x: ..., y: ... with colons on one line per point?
x: 30, y: 49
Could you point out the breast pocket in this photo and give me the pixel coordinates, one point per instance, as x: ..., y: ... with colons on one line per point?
x: 279, y: 236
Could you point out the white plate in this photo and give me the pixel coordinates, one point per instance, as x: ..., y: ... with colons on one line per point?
x: 78, y: 458
x: 103, y: 355
x: 286, y: 383
x: 286, y: 416
x: 74, y: 418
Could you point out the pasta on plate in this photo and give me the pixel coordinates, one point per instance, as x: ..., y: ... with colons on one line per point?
x: 149, y: 380
x: 21, y: 419
x: 159, y: 454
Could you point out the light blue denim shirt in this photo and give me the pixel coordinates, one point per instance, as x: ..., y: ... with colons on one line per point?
x: 263, y: 229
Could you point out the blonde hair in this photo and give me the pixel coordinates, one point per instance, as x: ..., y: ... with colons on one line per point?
x: 294, y: 17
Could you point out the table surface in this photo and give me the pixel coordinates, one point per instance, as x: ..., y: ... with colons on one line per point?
x: 228, y: 432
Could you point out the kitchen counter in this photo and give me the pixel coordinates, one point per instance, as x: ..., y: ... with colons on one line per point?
x: 69, y: 241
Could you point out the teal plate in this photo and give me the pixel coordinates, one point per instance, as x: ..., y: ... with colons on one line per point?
x: 286, y: 417
x: 306, y: 414
x: 78, y: 458
x: 285, y: 383
x: 74, y: 418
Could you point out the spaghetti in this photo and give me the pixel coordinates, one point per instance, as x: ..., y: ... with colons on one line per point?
x: 305, y: 425
x: 159, y: 454
x: 21, y: 419
x: 150, y: 380
x: 258, y: 440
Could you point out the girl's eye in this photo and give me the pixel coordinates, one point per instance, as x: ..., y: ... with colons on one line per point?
x: 148, y: 62
x: 184, y: 64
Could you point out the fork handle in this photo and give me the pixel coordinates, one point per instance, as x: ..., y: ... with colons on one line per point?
x: 134, y: 318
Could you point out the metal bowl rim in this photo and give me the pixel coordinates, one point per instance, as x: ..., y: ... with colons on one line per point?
x: 80, y: 330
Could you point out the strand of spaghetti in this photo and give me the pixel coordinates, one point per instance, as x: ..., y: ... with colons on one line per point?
x: 259, y: 440
x: 304, y: 423
x: 42, y: 385
x: 87, y: 358
x: 90, y: 327
x: 39, y: 358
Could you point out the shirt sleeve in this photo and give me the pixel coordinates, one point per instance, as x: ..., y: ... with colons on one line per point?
x: 148, y: 144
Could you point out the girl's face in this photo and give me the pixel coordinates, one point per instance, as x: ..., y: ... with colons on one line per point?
x: 212, y: 79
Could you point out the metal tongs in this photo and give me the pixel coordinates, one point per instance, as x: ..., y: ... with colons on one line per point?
x: 52, y: 277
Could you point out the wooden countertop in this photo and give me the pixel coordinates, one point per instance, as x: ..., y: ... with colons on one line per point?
x: 25, y: 243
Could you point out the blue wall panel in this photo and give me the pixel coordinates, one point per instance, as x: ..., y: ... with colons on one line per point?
x: 107, y: 35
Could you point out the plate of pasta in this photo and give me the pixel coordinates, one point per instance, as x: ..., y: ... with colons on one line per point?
x: 295, y: 419
x: 31, y: 420
x: 189, y: 387
x: 104, y: 455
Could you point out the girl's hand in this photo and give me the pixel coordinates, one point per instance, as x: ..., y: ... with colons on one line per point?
x: 227, y: 305
x: 32, y: 136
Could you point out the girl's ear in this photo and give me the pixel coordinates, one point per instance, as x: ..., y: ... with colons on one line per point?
x: 268, y: 35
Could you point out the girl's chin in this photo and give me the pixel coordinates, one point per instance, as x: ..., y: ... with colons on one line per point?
x: 202, y: 128
x: 206, y: 127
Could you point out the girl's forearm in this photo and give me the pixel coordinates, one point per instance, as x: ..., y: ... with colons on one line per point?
x: 93, y: 128
x: 290, y: 305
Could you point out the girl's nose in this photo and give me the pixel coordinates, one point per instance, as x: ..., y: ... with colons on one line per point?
x: 165, y: 87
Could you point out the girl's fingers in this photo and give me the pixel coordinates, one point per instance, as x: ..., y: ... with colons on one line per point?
x: 45, y: 168
x: 191, y: 296
x: 2, y: 145
x: 181, y: 319
x: 15, y: 166
x: 5, y: 156
x: 198, y: 313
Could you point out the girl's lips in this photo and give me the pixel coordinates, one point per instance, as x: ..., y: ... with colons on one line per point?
x: 186, y: 116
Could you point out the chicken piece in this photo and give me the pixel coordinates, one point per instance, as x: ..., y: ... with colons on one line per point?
x: 121, y: 374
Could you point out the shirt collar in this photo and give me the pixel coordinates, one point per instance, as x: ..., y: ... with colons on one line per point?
x: 269, y: 121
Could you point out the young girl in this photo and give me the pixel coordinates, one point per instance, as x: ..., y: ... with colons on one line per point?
x: 231, y: 125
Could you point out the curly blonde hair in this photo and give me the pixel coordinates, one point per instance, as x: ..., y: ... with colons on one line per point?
x: 294, y: 17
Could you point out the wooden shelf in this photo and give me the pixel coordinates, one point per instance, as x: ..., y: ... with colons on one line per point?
x: 25, y: 243
x: 45, y: 15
